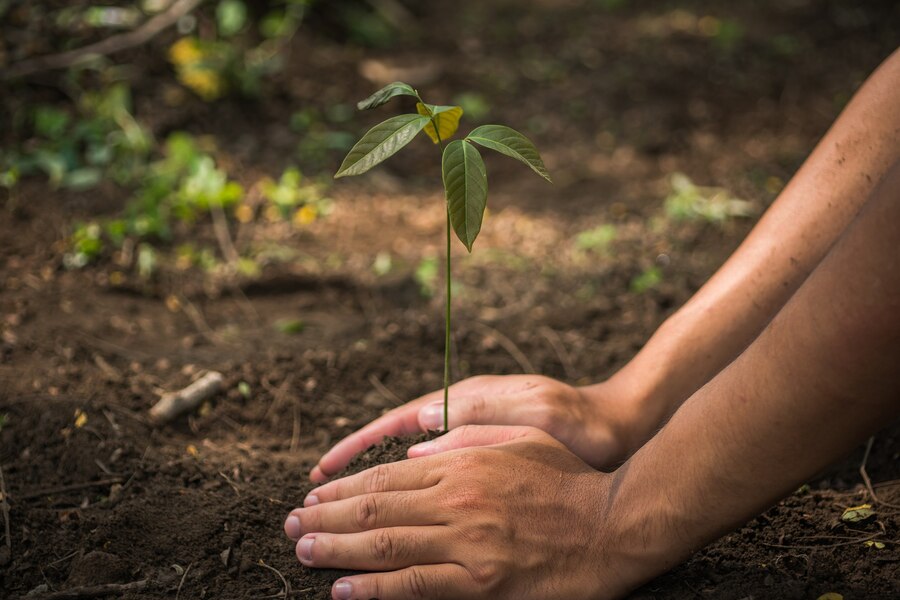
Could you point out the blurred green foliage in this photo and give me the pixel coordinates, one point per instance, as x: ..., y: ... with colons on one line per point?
x: 181, y: 188
x: 646, y: 280
x: 78, y: 146
x: 690, y: 202
x: 598, y: 239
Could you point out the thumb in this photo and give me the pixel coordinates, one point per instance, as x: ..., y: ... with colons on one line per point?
x: 468, y: 436
x: 464, y: 410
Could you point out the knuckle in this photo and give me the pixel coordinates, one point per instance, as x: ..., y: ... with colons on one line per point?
x: 414, y: 583
x: 367, y: 512
x: 378, y: 478
x: 464, y: 501
x: 486, y: 573
x: 479, y: 406
x: 384, y: 549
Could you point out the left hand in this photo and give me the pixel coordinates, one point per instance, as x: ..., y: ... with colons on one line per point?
x: 519, y: 518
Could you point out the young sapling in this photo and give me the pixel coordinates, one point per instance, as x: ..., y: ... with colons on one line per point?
x: 463, y: 170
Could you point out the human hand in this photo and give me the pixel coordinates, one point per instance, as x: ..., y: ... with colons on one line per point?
x: 520, y: 518
x: 596, y: 425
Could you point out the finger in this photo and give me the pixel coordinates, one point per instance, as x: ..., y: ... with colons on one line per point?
x: 469, y: 436
x: 479, y: 408
x: 363, y: 513
x: 379, y: 550
x: 404, y: 475
x: 435, y: 582
x: 400, y: 421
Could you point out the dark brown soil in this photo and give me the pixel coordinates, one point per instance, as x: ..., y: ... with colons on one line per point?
x: 616, y: 99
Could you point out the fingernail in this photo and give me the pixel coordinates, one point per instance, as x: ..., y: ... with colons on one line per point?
x: 304, y: 549
x: 343, y: 590
x: 431, y: 417
x: 292, y: 527
x: 310, y: 500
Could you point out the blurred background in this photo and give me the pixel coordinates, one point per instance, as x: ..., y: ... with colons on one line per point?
x: 131, y: 127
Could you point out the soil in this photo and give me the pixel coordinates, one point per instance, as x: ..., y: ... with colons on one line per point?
x: 617, y: 100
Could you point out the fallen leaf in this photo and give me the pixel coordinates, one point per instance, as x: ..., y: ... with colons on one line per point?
x: 855, y: 514
x: 192, y: 450
x: 830, y: 596
x: 873, y: 543
x: 81, y: 418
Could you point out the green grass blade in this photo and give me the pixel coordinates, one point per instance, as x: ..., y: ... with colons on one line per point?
x: 510, y: 142
x: 465, y: 183
x: 381, y: 142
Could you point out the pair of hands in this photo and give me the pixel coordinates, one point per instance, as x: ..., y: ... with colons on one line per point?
x: 486, y: 511
x: 599, y: 424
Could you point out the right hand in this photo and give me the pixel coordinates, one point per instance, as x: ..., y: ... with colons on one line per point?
x: 594, y: 426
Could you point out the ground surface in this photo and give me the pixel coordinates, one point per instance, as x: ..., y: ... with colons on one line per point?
x: 616, y: 99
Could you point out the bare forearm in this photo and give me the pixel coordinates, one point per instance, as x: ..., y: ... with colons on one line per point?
x: 819, y: 379
x: 785, y: 246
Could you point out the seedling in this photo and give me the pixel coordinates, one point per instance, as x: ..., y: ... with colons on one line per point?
x: 463, y: 170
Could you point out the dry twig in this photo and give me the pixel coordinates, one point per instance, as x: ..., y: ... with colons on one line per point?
x: 384, y: 390
x: 68, y: 488
x: 846, y: 542
x: 93, y: 591
x: 865, y: 477
x: 507, y: 345
x: 553, y: 339
x: 287, y: 586
x: 183, y: 577
x: 295, y: 432
x: 4, y: 507
x: 196, y: 316
x: 110, y: 45
x: 189, y: 398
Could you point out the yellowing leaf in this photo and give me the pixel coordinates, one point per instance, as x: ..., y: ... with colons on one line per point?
x: 304, y: 215
x: 243, y: 213
x: 192, y: 450
x: 184, y: 51
x: 830, y: 596
x: 855, y: 514
x: 873, y: 543
x: 447, y: 118
x: 81, y: 418
x: 173, y: 303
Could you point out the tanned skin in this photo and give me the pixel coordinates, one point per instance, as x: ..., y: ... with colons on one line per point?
x: 780, y: 364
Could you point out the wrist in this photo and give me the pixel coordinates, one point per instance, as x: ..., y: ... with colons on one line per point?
x: 642, y: 538
x: 632, y: 546
x: 631, y: 405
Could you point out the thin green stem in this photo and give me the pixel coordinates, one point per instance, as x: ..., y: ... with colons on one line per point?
x: 437, y: 133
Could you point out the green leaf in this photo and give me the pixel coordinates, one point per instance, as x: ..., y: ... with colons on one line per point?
x: 231, y: 16
x: 465, y: 182
x: 398, y: 88
x: 381, y: 142
x: 82, y: 179
x: 510, y: 142
x: 447, y: 118
x: 290, y: 326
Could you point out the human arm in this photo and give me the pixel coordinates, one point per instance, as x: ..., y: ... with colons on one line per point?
x: 523, y: 517
x: 603, y: 423
x: 793, y: 236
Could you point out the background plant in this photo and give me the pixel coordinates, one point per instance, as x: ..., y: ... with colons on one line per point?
x: 463, y: 170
